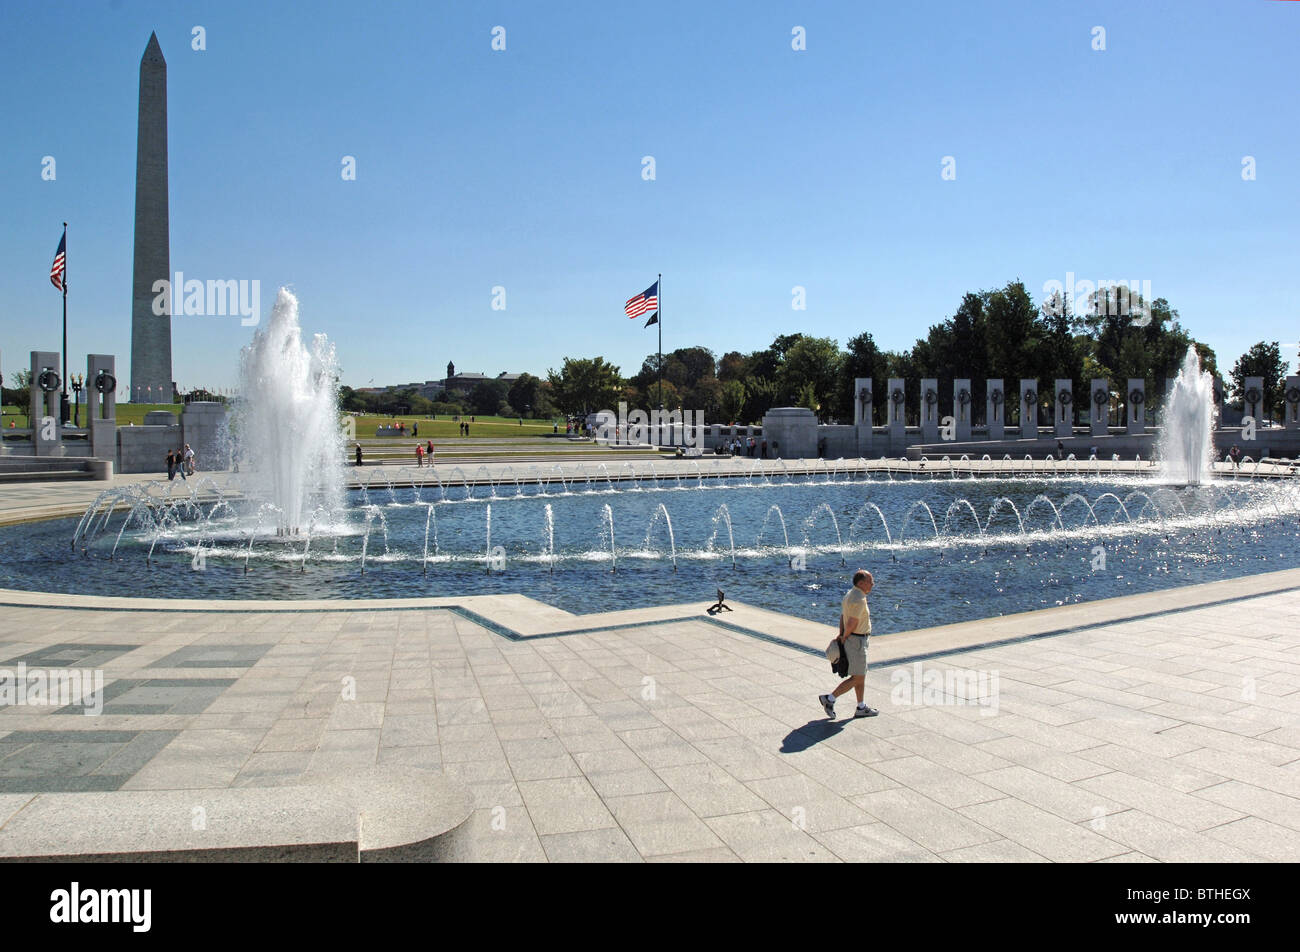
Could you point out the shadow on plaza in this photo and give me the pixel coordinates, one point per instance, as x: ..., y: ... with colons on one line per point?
x: 814, y: 732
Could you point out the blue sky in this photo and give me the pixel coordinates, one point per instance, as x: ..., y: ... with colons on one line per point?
x: 522, y: 169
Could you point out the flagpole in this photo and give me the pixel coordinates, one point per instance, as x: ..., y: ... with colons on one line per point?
x: 661, y: 346
x: 63, y: 402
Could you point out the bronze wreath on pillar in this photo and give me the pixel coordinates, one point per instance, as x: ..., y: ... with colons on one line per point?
x: 1100, y: 397
x: 1136, y: 396
x: 1293, y: 395
x: 897, y: 396
x: 1030, y: 397
x: 105, y: 382
x: 48, y: 380
x: 931, y: 398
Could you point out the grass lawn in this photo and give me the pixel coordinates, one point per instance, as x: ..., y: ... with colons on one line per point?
x: 126, y: 413
x: 444, y: 426
x: 366, y: 424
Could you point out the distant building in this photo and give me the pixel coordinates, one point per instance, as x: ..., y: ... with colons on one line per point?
x: 453, y: 383
x: 464, y: 383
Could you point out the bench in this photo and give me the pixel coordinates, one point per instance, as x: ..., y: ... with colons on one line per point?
x: 378, y: 814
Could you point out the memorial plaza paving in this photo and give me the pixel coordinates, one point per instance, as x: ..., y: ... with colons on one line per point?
x: 1157, y: 727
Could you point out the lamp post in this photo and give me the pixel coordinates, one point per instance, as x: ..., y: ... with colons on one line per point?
x: 78, y: 381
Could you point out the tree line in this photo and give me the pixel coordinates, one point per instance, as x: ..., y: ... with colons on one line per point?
x: 999, y: 333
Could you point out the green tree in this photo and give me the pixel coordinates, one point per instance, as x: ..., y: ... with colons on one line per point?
x: 486, y: 397
x: 1262, y: 360
x: 733, y: 400
x: 731, y: 366
x: 584, y: 385
x: 760, y: 396
x: 20, y: 393
x: 525, y: 395
x: 813, y: 362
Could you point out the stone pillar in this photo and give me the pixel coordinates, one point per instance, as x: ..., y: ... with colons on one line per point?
x: 962, y: 407
x: 101, y: 407
x: 1219, y: 402
x: 929, y: 410
x: 1252, y: 399
x: 897, y: 415
x: 47, y: 440
x: 1291, y: 403
x: 862, y: 413
x: 792, y: 430
x: 995, y: 402
x: 203, y: 427
x: 1136, y: 402
x: 1063, y: 409
x: 1028, y: 409
x: 861, y: 401
x: 1099, y: 401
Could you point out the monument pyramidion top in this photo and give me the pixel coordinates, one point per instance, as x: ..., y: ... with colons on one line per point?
x: 153, y: 55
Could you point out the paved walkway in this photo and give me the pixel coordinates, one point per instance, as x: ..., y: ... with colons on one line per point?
x: 1161, y: 734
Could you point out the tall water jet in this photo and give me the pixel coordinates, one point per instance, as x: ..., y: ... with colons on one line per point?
x: 1186, y: 439
x: 289, y: 441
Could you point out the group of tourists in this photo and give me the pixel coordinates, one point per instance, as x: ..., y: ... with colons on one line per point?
x: 747, y: 447
x: 181, y: 461
x: 421, y: 449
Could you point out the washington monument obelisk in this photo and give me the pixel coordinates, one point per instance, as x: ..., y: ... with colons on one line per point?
x: 151, y: 334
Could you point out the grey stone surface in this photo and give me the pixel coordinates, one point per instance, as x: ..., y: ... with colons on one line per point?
x: 1099, y: 750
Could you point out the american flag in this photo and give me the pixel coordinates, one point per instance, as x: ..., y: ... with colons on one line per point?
x: 643, y: 303
x: 56, y: 269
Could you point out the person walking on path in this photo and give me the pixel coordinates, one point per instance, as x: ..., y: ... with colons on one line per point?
x: 428, y: 451
x: 358, y: 454
x: 188, y: 460
x: 419, y: 455
x: 855, y: 626
x: 180, y: 465
x: 171, y: 464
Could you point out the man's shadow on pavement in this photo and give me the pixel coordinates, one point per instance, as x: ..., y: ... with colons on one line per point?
x: 814, y: 732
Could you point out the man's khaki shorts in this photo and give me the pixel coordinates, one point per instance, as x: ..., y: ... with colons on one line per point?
x: 855, y: 646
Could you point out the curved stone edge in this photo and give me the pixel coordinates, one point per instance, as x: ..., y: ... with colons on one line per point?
x: 378, y: 814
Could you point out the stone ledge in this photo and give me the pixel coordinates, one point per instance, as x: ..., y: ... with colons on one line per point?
x: 378, y: 814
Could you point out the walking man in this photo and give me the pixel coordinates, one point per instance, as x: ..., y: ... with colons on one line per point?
x: 188, y: 460
x: 855, y: 626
